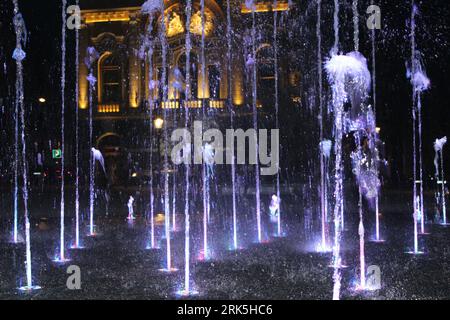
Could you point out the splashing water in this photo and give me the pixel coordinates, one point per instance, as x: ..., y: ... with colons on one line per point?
x: 274, y: 209
x: 350, y: 80
x: 152, y: 7
x: 97, y: 155
x: 130, y: 209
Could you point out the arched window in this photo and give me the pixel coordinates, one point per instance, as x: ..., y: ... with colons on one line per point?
x: 266, y: 75
x: 109, y: 79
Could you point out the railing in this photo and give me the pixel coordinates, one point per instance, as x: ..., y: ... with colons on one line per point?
x: 108, y: 108
x: 168, y: 104
x: 192, y: 104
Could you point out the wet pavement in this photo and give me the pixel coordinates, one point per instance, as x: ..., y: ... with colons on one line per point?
x: 116, y: 264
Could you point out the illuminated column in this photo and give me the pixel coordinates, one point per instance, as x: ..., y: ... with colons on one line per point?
x: 146, y: 79
x: 134, y: 70
x: 83, y: 71
x: 203, y: 84
x: 172, y: 93
x: 238, y: 84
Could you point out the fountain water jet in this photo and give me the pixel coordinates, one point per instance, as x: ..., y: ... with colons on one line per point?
x: 277, y: 122
x: 21, y: 35
x: 355, y: 24
x: 375, y: 134
x: 255, y: 124
x: 350, y: 79
x: 323, y: 198
x: 77, y: 244
x: 325, y: 154
x: 19, y: 55
x: 335, y: 49
x: 163, y: 84
x: 150, y: 8
x: 92, y: 56
x: 231, y: 109
x: 205, y: 254
x: 420, y: 83
x: 439, y: 149
x: 62, y: 258
x: 187, y: 290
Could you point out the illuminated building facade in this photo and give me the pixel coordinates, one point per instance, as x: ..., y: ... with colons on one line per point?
x: 117, y: 29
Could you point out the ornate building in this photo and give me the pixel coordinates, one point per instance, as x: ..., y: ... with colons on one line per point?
x: 118, y: 30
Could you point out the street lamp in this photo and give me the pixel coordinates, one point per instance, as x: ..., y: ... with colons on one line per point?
x: 42, y: 100
x: 158, y: 122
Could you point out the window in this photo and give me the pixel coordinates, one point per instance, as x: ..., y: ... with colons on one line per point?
x: 110, y: 88
x: 266, y: 75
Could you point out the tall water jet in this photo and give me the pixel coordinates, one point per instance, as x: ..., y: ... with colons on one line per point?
x: 325, y: 154
x: 355, y: 24
x: 231, y: 110
x: 77, y: 244
x: 420, y: 83
x: 16, y: 153
x: 364, y: 167
x: 152, y: 87
x: 325, y: 146
x: 335, y: 49
x: 163, y: 84
x: 92, y: 56
x: 62, y: 257
x: 350, y: 80
x: 19, y: 55
x: 186, y: 291
x: 205, y: 179
x: 151, y: 8
x: 439, y: 149
x: 277, y: 121
x: 174, y: 198
x: 375, y: 134
x: 251, y: 62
